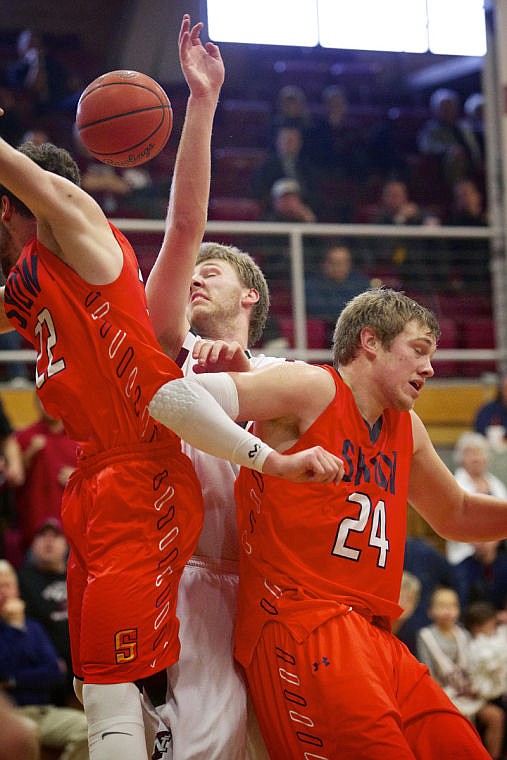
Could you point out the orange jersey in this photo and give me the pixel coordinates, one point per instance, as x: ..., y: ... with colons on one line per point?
x: 98, y: 362
x: 306, y: 548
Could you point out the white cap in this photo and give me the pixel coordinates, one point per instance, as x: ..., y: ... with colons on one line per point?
x: 284, y: 186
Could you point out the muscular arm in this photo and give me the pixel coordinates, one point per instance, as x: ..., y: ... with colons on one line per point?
x: 69, y: 222
x: 5, y: 325
x: 168, y: 285
x: 452, y: 512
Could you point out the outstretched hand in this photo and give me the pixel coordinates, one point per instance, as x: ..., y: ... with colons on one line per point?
x: 315, y: 465
x: 219, y: 356
x: 202, y: 65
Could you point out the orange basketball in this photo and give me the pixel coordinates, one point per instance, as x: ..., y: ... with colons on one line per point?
x: 124, y: 118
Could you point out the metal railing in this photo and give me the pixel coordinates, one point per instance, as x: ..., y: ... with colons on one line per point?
x: 296, y: 234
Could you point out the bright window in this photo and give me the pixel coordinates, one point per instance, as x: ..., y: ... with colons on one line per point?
x: 452, y: 27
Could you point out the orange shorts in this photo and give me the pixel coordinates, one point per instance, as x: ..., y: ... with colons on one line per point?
x: 352, y: 691
x: 132, y: 517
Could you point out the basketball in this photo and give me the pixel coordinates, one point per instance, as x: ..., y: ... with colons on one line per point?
x: 124, y: 118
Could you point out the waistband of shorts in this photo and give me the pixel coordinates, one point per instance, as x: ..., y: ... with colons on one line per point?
x: 219, y: 566
x: 88, y: 463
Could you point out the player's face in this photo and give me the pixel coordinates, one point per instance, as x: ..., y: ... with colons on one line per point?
x: 402, y: 370
x: 215, y: 297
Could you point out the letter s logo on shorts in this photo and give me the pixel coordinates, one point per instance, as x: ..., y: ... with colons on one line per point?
x: 125, y: 645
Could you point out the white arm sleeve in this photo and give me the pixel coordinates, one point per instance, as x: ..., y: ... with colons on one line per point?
x: 186, y: 407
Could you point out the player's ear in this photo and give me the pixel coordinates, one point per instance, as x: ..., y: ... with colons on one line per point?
x: 252, y: 296
x: 369, y: 341
x: 5, y: 208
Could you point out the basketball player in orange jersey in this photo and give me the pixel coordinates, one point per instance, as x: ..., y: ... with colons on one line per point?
x: 133, y: 509
x: 321, y: 567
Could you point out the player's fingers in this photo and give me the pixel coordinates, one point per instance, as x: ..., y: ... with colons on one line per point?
x: 328, y: 467
x: 195, y: 32
x: 185, y: 24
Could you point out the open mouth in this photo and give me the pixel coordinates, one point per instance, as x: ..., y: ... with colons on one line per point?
x: 417, y: 384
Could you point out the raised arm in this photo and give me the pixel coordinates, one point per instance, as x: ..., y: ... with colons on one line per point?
x: 452, y: 512
x: 68, y: 221
x: 168, y: 284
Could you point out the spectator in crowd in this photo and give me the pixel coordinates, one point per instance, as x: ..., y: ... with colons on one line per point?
x: 113, y: 188
x: 444, y: 137
x: 11, y: 123
x: 334, y: 284
x: 291, y: 110
x: 469, y: 258
x: 483, y: 576
x: 14, y: 373
x: 494, y: 413
x: 410, y: 595
x: 38, y: 72
x: 43, y: 586
x: 287, y: 204
x: 425, y: 562
x: 421, y: 265
x: 286, y: 161
x: 19, y: 734
x: 49, y: 458
x: 488, y: 652
x: 471, y: 456
x: 331, y: 142
x: 444, y: 648
x: 29, y: 670
x: 473, y: 126
x: 12, y: 475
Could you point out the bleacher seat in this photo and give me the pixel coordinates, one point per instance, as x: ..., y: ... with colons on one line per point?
x: 232, y: 169
x: 479, y: 333
x: 233, y: 208
x: 317, y: 331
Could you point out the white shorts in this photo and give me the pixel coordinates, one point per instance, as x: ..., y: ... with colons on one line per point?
x: 206, y: 707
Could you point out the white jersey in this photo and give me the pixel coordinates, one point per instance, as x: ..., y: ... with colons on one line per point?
x: 205, y: 716
x: 219, y: 535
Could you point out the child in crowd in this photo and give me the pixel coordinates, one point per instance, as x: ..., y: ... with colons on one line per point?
x: 444, y: 647
x: 488, y: 651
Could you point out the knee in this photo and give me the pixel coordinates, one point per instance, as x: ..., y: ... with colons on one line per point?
x: 78, y: 689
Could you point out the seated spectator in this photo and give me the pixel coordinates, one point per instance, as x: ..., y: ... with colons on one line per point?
x: 29, y: 670
x: 291, y: 110
x: 286, y: 161
x: 443, y: 136
x: 433, y: 571
x: 444, y: 648
x: 494, y: 413
x: 15, y: 373
x: 469, y: 258
x: 116, y: 190
x: 410, y: 595
x: 421, y: 264
x: 11, y: 123
x: 473, y: 126
x: 49, y: 458
x: 332, y: 143
x: 483, y: 576
x: 287, y: 204
x: 43, y: 586
x: 488, y: 652
x: 12, y: 475
x: 19, y: 734
x: 334, y: 284
x: 39, y: 72
x: 471, y: 455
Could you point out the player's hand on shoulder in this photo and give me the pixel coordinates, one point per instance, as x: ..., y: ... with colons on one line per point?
x: 314, y: 465
x: 220, y: 356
